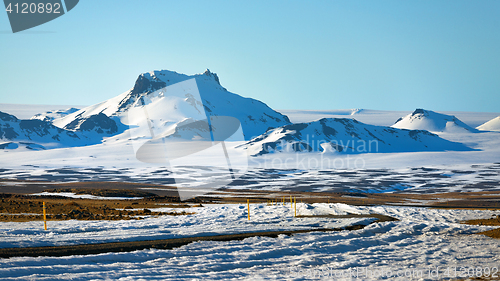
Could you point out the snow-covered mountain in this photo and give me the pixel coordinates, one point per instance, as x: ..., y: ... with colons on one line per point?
x: 255, y: 116
x: 432, y: 121
x: 54, y: 114
x: 331, y: 135
x: 492, y: 125
x: 169, y: 105
x: 98, y: 123
x: 36, y: 134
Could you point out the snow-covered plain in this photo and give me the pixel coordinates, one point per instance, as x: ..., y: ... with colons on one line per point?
x: 208, y: 220
x: 83, y: 196
x: 422, y: 240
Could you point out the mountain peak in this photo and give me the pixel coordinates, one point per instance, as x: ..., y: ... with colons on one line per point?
x: 147, y: 82
x: 428, y: 120
x: 151, y: 81
x: 420, y: 111
x: 255, y: 116
x: 212, y: 74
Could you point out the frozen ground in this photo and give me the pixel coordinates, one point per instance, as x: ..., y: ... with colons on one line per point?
x: 422, y: 239
x: 433, y: 179
x: 208, y: 220
x: 417, y: 176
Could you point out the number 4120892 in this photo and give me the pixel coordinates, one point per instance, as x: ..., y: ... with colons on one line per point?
x: 33, y: 8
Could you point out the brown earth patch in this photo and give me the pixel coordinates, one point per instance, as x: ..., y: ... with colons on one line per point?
x: 494, y: 221
x: 494, y: 233
x: 14, y: 207
x: 491, y: 221
x: 471, y: 200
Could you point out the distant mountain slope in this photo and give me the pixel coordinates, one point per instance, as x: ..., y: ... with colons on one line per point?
x: 98, y: 123
x: 492, y: 125
x: 35, y: 134
x: 346, y: 136
x: 254, y: 116
x: 432, y: 121
x: 54, y: 114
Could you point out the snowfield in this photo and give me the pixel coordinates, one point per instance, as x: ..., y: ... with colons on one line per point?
x: 421, y: 240
x: 209, y: 220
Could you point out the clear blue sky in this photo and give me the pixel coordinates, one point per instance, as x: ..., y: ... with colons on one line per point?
x: 389, y: 55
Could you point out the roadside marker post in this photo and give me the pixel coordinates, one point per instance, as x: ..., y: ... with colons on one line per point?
x: 295, y: 206
x: 291, y: 201
x: 248, y: 208
x: 44, y: 217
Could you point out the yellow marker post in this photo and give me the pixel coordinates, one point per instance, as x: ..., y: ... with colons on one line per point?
x: 291, y: 201
x: 248, y: 208
x: 44, y: 217
x: 295, y: 206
